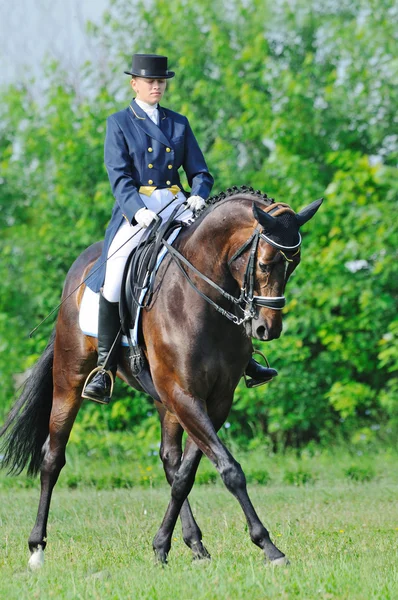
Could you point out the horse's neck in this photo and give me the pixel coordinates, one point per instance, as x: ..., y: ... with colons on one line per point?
x: 210, y: 242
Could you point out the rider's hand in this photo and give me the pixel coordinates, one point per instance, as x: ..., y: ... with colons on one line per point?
x: 144, y: 217
x: 195, y: 203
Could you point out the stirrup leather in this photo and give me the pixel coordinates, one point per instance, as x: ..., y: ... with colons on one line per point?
x: 90, y: 376
x: 247, y: 379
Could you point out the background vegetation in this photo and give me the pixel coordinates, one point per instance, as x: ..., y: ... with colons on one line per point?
x: 295, y: 99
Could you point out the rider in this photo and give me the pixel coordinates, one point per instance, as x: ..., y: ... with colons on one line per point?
x: 145, y: 145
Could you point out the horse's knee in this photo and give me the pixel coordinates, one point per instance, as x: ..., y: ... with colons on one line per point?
x: 233, y: 476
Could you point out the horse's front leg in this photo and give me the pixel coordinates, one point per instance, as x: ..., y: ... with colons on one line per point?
x: 200, y: 429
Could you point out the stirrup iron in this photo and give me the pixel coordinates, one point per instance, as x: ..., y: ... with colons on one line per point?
x: 89, y: 378
x: 247, y: 379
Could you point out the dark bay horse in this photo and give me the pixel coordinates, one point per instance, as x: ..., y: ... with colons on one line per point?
x: 197, y: 340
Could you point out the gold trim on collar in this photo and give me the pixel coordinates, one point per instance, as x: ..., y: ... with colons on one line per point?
x: 141, y: 118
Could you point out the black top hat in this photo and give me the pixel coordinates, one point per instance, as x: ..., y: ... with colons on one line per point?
x: 151, y: 66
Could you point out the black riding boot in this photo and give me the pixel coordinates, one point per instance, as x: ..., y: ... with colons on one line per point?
x: 99, y: 384
x: 258, y: 374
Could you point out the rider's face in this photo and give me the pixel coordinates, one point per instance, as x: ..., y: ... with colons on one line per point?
x: 148, y: 90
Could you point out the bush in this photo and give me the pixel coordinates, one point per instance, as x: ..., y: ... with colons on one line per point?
x: 299, y: 477
x: 360, y: 474
x: 260, y: 476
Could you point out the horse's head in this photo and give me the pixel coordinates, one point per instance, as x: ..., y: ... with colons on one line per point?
x: 265, y: 263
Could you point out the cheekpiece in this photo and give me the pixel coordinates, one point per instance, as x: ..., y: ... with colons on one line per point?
x: 150, y: 66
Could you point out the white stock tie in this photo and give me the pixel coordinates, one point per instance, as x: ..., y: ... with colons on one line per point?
x: 150, y: 110
x: 154, y: 115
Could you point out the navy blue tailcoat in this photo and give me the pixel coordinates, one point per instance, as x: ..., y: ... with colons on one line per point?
x: 140, y: 153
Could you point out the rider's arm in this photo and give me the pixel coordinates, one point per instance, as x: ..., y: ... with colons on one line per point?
x: 195, y: 166
x: 119, y: 166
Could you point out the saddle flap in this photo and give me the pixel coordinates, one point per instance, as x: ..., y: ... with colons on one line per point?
x: 140, y: 271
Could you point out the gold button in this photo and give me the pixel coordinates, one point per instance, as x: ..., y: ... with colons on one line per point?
x: 150, y: 150
x: 150, y: 181
x: 150, y: 166
x: 169, y: 166
x: 168, y: 182
x: 168, y: 150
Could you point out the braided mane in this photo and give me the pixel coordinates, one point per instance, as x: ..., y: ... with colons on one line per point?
x: 232, y: 191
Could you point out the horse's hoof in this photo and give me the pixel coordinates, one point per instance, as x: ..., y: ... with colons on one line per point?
x: 202, y: 556
x: 201, y: 560
x: 36, y: 560
x: 283, y: 561
x: 161, y: 558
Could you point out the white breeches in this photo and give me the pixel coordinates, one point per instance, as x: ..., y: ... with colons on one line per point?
x: 122, y: 245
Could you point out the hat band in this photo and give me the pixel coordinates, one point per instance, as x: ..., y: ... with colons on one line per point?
x: 146, y: 72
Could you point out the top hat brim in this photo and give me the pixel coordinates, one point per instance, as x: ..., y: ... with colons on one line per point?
x: 167, y: 75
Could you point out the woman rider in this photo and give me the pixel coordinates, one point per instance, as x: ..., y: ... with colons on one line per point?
x: 145, y: 145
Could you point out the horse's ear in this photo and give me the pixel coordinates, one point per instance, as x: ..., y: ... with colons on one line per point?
x: 308, y: 212
x: 266, y: 220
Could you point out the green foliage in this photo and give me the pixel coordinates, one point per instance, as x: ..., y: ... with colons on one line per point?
x: 299, y: 477
x: 296, y: 99
x: 360, y: 474
x: 260, y: 476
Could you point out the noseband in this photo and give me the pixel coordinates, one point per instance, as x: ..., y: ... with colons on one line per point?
x: 247, y: 295
x: 247, y: 301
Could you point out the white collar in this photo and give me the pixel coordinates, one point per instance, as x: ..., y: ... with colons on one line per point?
x: 148, y: 108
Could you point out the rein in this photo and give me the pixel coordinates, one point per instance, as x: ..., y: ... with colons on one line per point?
x: 247, y: 301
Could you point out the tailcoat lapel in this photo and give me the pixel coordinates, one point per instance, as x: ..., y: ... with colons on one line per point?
x: 141, y: 119
x: 166, y: 124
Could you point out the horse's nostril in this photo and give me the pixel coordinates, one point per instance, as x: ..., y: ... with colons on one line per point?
x: 261, y: 332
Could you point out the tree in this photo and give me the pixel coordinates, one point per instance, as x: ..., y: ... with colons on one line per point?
x: 292, y: 98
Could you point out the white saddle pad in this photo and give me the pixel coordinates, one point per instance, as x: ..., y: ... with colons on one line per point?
x: 88, y: 315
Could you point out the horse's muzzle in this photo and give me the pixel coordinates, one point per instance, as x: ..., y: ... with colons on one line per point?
x: 266, y: 331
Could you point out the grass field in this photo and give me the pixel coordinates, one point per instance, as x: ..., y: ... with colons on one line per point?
x: 341, y: 539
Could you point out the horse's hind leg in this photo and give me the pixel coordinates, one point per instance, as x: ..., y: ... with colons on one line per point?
x: 182, y: 484
x: 68, y: 383
x: 170, y: 454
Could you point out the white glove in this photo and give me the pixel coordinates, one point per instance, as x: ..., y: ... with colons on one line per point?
x: 144, y: 217
x: 195, y: 202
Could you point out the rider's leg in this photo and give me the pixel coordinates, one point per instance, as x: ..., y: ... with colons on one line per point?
x: 99, y: 383
x: 258, y: 374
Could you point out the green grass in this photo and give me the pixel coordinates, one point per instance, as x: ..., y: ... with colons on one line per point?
x: 341, y: 539
x: 334, y: 513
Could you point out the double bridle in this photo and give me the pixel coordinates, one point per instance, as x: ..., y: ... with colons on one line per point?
x: 247, y: 301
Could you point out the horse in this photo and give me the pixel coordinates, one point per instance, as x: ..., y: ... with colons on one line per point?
x: 221, y: 284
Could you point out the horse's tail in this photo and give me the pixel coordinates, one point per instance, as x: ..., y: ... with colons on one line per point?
x: 26, y: 428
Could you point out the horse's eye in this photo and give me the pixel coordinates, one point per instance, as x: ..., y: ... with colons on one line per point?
x: 264, y: 268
